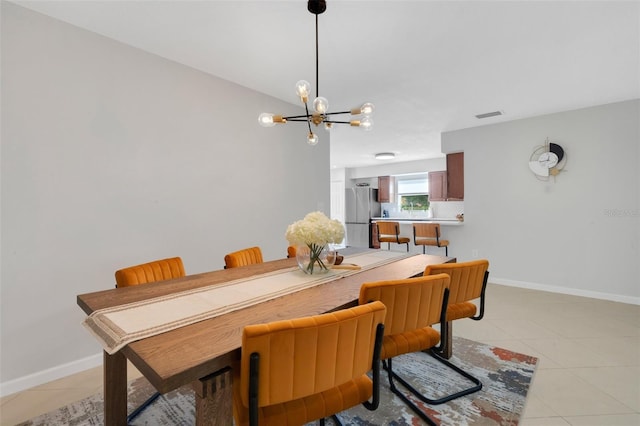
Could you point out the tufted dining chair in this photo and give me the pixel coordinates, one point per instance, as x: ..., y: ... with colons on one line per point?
x: 468, y: 283
x: 305, y: 369
x: 428, y: 234
x: 157, y: 270
x: 147, y: 273
x: 389, y: 232
x: 248, y: 256
x: 413, y: 306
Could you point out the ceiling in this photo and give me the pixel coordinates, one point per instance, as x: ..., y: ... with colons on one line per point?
x: 428, y: 66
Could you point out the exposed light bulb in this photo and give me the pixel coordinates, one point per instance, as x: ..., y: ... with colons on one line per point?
x: 366, y: 123
x: 302, y: 90
x: 321, y: 104
x: 312, y: 139
x: 266, y: 120
x: 328, y: 126
x: 367, y: 108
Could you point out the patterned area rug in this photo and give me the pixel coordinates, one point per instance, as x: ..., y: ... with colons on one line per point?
x: 505, y: 375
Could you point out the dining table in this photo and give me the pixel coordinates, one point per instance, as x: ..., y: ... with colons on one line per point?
x: 202, y: 353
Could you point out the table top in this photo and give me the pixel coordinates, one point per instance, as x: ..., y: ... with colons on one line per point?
x: 175, y: 358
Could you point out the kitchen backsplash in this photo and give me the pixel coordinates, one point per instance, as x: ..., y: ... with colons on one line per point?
x: 437, y: 209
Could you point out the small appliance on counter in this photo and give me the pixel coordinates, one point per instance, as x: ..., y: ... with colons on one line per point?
x: 385, y: 213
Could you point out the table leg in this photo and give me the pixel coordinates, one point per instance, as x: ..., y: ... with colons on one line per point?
x: 214, y: 399
x: 115, y: 389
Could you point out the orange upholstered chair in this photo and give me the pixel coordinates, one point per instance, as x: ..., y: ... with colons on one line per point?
x: 248, y: 256
x: 413, y: 306
x: 300, y: 370
x: 291, y: 252
x: 428, y: 234
x: 158, y: 270
x: 389, y: 232
x: 468, y: 282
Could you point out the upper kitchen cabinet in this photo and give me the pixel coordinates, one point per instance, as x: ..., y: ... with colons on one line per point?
x: 455, y: 176
x: 448, y: 185
x: 386, y: 189
x: 438, y: 186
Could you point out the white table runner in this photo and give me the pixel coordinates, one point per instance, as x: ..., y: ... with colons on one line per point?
x: 120, y: 325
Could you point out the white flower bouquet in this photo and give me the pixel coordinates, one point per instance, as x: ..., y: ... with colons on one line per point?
x: 315, y: 231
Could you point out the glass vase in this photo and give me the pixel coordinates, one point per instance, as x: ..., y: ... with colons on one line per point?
x: 315, y: 258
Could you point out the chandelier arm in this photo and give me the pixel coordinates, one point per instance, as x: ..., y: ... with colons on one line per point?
x: 336, y: 113
x: 293, y: 117
x: 306, y: 108
x: 336, y: 122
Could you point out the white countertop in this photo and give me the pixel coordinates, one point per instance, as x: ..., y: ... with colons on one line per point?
x: 442, y: 221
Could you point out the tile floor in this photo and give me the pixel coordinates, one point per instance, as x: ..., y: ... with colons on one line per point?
x: 588, y: 375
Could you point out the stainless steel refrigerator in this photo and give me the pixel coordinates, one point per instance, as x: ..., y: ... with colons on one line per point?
x: 361, y: 204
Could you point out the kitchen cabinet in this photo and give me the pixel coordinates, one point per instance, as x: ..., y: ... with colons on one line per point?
x: 438, y: 186
x: 386, y: 189
x: 448, y: 185
x: 455, y: 176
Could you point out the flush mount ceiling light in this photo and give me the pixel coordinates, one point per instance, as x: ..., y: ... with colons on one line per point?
x: 385, y: 156
x: 321, y: 114
x: 489, y: 114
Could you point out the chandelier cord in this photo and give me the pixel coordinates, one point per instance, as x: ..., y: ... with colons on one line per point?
x: 317, y: 79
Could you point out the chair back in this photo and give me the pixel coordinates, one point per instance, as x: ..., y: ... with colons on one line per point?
x: 467, y: 278
x: 426, y: 230
x: 306, y: 356
x: 248, y: 256
x: 411, y: 303
x: 388, y: 228
x: 158, y: 270
x: 291, y: 252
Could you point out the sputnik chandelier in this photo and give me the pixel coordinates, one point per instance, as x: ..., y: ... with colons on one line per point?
x: 320, y: 104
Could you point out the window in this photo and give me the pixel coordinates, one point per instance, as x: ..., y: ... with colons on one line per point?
x: 413, y: 192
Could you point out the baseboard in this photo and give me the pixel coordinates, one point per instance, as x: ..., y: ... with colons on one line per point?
x: 564, y: 290
x: 54, y: 373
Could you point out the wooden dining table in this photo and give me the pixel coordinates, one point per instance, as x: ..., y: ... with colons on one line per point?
x: 202, y: 354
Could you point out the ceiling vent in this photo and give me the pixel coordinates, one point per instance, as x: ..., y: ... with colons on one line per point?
x: 489, y: 114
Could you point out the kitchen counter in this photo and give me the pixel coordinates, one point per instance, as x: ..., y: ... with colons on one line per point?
x: 441, y: 221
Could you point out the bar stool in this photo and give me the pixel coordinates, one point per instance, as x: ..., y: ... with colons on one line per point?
x: 389, y: 232
x: 428, y: 234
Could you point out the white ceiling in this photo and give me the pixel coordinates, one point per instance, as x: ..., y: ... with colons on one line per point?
x: 428, y: 66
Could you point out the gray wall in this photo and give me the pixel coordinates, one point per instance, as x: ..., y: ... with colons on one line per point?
x: 579, y: 235
x: 111, y: 157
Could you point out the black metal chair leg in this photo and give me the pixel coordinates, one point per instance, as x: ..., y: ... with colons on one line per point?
x: 142, y: 406
x: 477, y: 383
x: 403, y: 397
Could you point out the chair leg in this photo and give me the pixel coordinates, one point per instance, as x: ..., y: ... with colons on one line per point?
x: 446, y: 250
x: 423, y: 249
x: 407, y: 247
x: 475, y: 388
x: 446, y: 337
x: 387, y: 365
x: 142, y: 406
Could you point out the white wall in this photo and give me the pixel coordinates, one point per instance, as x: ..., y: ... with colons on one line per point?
x: 111, y: 157
x: 579, y: 235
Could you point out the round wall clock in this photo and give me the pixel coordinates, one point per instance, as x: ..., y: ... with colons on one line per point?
x: 547, y: 160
